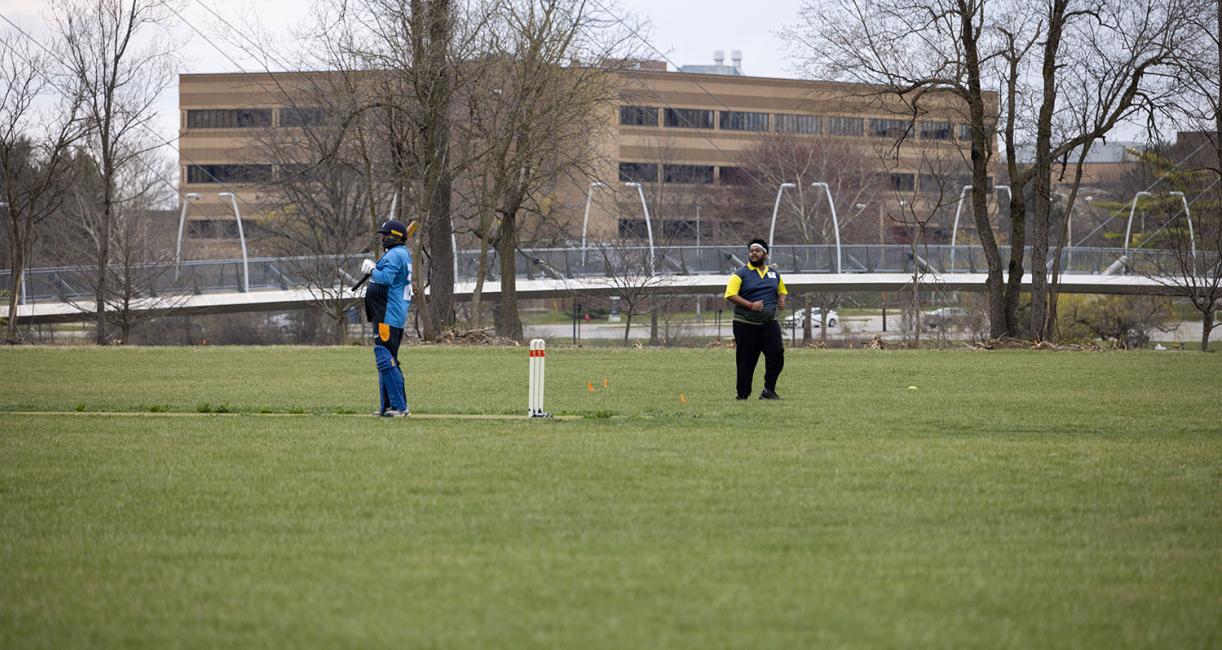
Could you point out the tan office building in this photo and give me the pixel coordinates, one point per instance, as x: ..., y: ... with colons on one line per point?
x: 682, y: 134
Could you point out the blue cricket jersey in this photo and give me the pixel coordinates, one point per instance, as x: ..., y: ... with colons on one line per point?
x: 394, y: 270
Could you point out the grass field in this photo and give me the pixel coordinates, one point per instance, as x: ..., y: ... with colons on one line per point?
x: 227, y: 499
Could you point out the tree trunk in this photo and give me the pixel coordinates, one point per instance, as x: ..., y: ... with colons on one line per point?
x: 419, y: 297
x: 981, y: 153
x: 103, y: 261
x: 1018, y: 242
x: 14, y: 296
x: 441, y: 227
x: 1043, y: 172
x: 477, y: 294
x: 1054, y: 283
x: 627, y: 326
x: 509, y: 324
x: 1039, y: 248
x: 1207, y: 326
x: 804, y: 303
x: 653, y: 323
x: 441, y: 254
x: 341, y: 328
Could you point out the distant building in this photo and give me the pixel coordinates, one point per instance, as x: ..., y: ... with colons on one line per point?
x: 680, y: 133
x: 1105, y: 163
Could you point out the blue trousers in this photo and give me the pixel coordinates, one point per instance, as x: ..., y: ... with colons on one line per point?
x: 393, y: 394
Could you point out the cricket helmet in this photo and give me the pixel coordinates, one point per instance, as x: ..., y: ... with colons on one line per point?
x: 393, y: 228
x: 393, y: 233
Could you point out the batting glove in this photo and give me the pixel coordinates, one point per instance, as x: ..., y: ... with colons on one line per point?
x: 367, y: 266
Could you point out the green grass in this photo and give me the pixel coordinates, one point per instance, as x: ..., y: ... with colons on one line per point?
x: 1013, y: 500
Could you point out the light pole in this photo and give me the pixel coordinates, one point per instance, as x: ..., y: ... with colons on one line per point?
x: 648, y: 224
x: 835, y: 223
x: 182, y: 220
x: 775, y: 206
x: 1192, y: 236
x: 1128, y: 227
x: 585, y: 221
x: 954, y: 232
x: 237, y: 214
x: 1122, y: 263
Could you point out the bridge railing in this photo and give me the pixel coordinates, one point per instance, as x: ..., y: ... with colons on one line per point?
x: 266, y: 273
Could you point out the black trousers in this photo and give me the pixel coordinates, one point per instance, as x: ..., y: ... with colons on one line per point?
x: 749, y: 341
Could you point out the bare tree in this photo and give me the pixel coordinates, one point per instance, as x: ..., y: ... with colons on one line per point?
x: 630, y: 275
x: 322, y: 197
x: 1121, y: 52
x: 119, y: 84
x: 1186, y: 243
x: 1195, y: 266
x: 914, y: 213
x: 915, y: 51
x: 34, y: 155
x: 534, y: 113
x: 141, y: 241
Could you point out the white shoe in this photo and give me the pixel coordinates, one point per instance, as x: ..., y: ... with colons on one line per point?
x: 395, y: 413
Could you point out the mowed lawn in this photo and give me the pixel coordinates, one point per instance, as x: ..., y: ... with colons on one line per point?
x: 1009, y: 500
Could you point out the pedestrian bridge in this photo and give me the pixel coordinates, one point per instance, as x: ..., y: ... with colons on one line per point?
x: 64, y: 294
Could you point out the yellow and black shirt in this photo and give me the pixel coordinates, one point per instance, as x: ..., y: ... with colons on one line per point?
x: 756, y: 283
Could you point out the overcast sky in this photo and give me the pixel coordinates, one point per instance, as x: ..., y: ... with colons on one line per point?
x: 686, y: 31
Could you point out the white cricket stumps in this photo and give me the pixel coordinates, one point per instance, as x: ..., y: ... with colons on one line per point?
x: 537, y: 358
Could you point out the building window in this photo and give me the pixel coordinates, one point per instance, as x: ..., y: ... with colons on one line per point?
x: 633, y: 229
x: 212, y: 229
x: 231, y: 118
x: 638, y: 115
x: 797, y: 123
x: 965, y: 132
x: 890, y: 128
x: 297, y: 116
x: 733, y: 176
x: 844, y: 125
x: 228, y: 173
x: 630, y: 172
x: 903, y: 182
x: 689, y: 118
x: 744, y: 121
x: 935, y: 130
x: 699, y: 174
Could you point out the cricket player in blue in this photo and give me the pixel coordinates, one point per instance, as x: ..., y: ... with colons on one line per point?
x: 388, y: 297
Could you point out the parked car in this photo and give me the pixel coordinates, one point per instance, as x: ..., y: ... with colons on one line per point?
x: 795, y: 318
x: 944, y: 316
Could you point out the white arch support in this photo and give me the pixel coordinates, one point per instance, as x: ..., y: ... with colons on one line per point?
x: 835, y: 222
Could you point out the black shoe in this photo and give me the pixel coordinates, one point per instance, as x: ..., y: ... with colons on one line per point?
x: 769, y: 394
x: 740, y: 397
